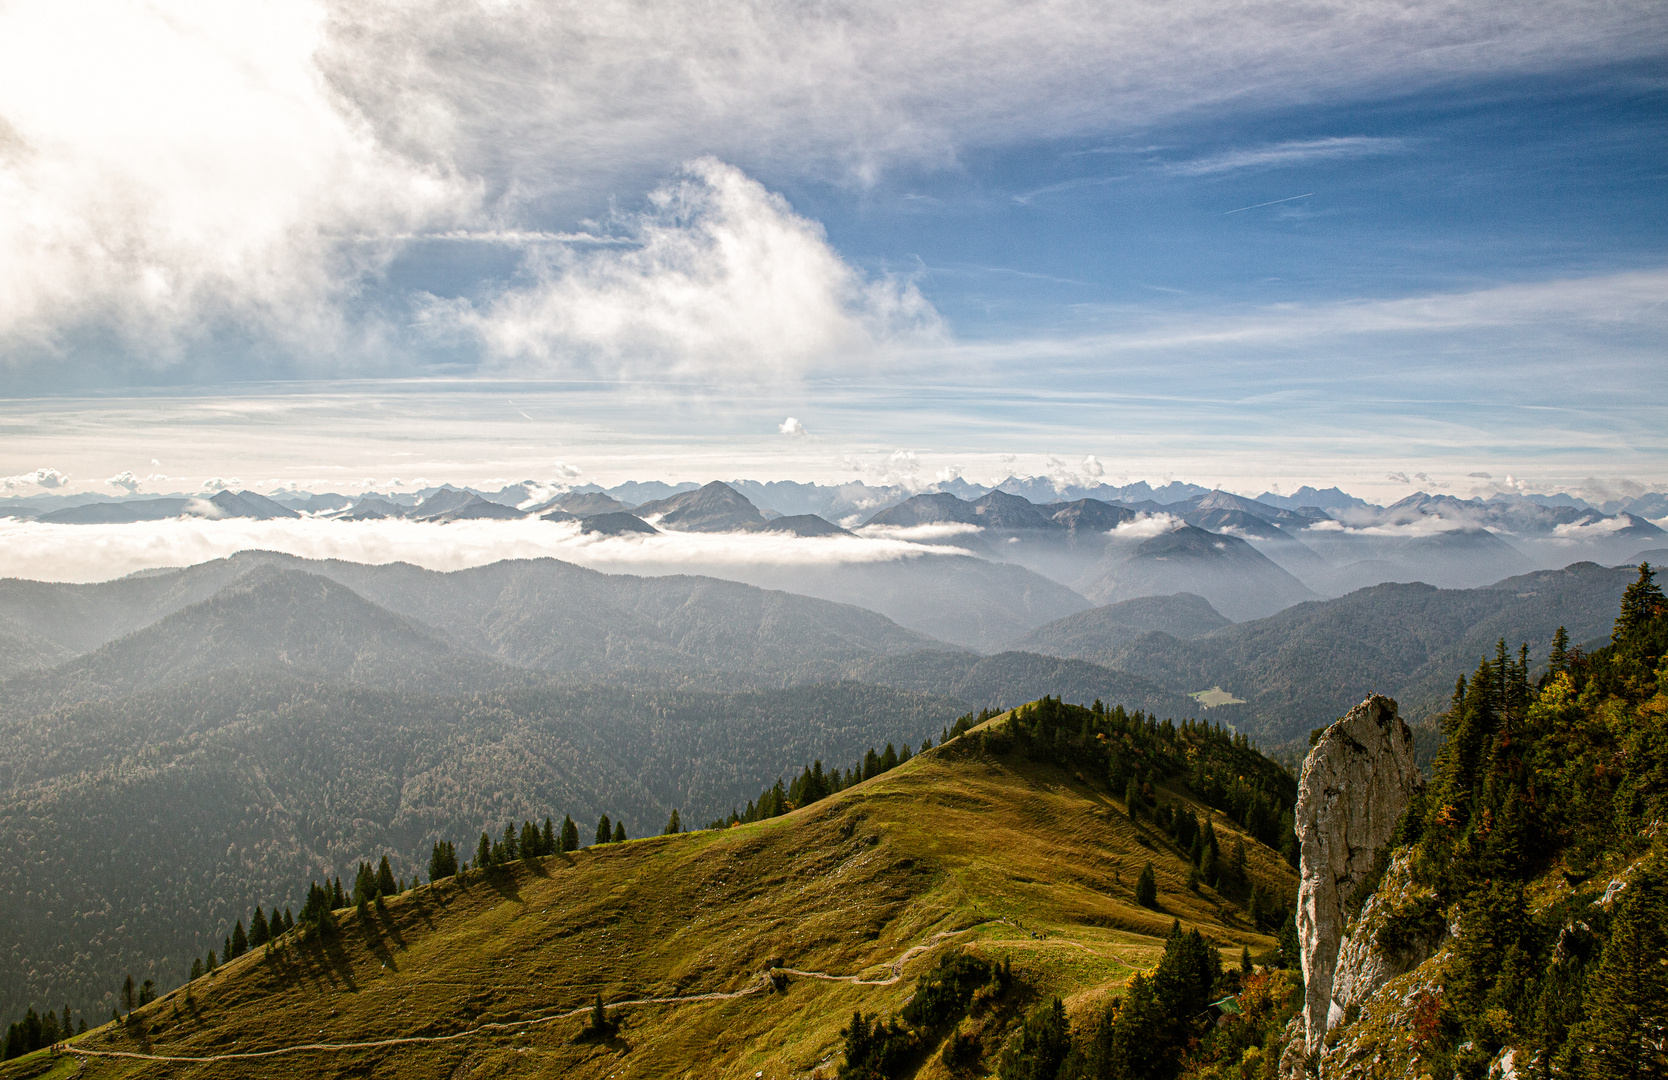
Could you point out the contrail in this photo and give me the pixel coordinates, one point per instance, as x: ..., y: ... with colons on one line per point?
x: 1270, y: 202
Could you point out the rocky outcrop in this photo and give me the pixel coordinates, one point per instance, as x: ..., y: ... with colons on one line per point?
x: 1400, y: 928
x: 1356, y: 782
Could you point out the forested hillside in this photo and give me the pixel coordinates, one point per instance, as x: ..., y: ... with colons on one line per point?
x: 1533, y: 871
x: 1305, y: 666
x: 159, y: 818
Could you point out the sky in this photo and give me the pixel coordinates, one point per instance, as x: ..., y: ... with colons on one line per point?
x: 1385, y: 246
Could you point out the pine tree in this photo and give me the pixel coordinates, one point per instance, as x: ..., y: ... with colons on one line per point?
x: 619, y: 832
x: 1132, y: 798
x: 605, y: 830
x: 889, y: 758
x: 240, y: 942
x: 259, y: 932
x: 196, y: 968
x: 1245, y: 966
x: 570, y: 834
x: 547, y: 838
x: 673, y: 826
x: 127, y: 988
x: 147, y: 992
x: 338, y: 899
x: 529, y: 841
x: 209, y: 962
x: 385, y: 883
x: 483, y: 853
x: 364, y: 887
x: 512, y: 847
x: 1146, y: 887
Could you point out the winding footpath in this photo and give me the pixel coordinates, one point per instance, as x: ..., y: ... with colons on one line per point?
x: 759, y: 983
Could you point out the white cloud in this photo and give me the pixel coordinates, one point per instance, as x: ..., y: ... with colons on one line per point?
x: 126, y: 481
x: 1145, y: 527
x: 216, y: 484
x: 568, y: 473
x: 172, y: 166
x: 178, y: 168
x: 46, y: 478
x: 724, y: 277
x: 791, y: 426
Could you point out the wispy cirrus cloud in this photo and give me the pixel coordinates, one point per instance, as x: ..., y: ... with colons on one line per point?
x: 1281, y: 155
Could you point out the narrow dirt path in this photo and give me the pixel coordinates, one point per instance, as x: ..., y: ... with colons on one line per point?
x: 759, y: 983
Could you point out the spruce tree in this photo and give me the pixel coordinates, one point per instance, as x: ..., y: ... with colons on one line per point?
x: 1559, y: 660
x: 385, y: 883
x: 605, y: 830
x: 1146, y: 887
x: 483, y: 853
x: 547, y: 838
x: 147, y: 992
x: 529, y: 841
x: 512, y: 846
x: 1641, y: 602
x: 196, y: 968
x: 1132, y: 798
x: 570, y: 834
x: 240, y: 941
x: 1625, y: 1032
x: 673, y: 826
x: 127, y: 988
x: 619, y: 832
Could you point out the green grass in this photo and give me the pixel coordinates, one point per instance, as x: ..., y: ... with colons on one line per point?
x: 1017, y: 860
x: 1215, y: 696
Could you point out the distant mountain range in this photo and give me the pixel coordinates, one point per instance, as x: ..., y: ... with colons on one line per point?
x: 979, y: 572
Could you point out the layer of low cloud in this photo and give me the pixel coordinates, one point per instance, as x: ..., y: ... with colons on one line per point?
x: 83, y: 553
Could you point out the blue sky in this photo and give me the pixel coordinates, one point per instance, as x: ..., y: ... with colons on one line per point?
x: 1322, y: 243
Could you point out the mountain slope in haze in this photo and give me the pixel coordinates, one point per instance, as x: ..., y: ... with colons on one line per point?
x: 1093, y: 635
x: 1305, y: 666
x: 972, y: 849
x: 1238, y: 580
x: 999, y: 681
x: 955, y: 598
x: 269, y: 618
x: 539, y: 613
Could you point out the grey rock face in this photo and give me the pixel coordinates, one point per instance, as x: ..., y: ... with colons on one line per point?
x: 1356, y: 782
x: 1369, y: 956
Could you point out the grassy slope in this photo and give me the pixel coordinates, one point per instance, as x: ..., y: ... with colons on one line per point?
x: 947, y: 842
